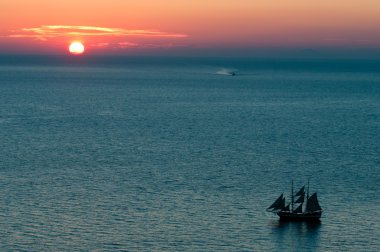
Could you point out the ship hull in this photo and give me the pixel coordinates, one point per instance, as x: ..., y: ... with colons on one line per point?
x: 311, y: 217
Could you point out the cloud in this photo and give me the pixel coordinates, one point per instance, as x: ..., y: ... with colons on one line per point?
x: 129, y: 44
x: 103, y: 44
x: 45, y: 32
x: 126, y: 44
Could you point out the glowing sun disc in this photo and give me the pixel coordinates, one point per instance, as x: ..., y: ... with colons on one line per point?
x: 76, y: 48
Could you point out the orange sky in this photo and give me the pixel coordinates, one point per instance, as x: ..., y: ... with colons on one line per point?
x: 123, y: 25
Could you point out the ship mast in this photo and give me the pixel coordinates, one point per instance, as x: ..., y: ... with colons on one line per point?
x: 292, y: 197
x: 307, y: 193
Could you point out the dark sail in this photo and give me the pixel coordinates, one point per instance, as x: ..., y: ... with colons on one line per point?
x: 301, y: 191
x: 312, y: 204
x: 298, y: 209
x: 300, y: 199
x: 278, y: 204
x: 286, y: 209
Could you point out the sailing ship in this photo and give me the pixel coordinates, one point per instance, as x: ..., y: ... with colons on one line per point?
x: 300, y: 209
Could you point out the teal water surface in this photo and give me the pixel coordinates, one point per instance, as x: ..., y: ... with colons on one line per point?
x: 160, y: 156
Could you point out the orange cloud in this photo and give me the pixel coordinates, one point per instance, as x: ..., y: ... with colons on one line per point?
x: 127, y: 44
x: 45, y: 32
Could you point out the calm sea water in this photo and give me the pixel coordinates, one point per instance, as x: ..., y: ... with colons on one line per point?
x: 167, y: 155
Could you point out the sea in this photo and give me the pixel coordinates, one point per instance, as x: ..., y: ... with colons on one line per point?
x: 151, y: 153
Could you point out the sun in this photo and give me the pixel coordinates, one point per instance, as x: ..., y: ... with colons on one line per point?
x: 76, y: 48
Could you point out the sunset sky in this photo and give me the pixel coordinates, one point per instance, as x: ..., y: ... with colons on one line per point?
x: 123, y: 26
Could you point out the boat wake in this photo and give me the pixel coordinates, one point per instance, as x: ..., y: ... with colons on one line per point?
x: 225, y: 71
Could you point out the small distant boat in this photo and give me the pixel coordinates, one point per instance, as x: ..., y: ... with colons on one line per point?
x: 302, y: 209
x: 227, y: 72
